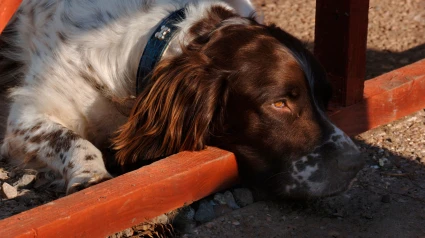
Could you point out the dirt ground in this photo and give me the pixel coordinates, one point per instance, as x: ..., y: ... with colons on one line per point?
x: 388, y: 199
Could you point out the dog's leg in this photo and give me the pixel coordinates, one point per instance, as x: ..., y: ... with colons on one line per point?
x: 35, y: 137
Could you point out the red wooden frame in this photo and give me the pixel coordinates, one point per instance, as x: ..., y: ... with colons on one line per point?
x: 188, y: 176
x: 129, y: 199
x: 386, y: 98
x: 340, y: 45
x: 7, y: 9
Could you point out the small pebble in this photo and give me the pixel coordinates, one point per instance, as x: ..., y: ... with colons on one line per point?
x: 205, y: 212
x: 186, y: 213
x: 3, y: 174
x: 382, y: 161
x: 243, y: 197
x: 220, y: 199
x: 26, y: 181
x: 230, y: 200
x: 236, y: 223
x: 184, y: 220
x: 8, y: 191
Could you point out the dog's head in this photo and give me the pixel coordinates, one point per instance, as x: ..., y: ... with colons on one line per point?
x: 250, y: 89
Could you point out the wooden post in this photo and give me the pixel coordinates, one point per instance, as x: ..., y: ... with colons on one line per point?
x: 340, y: 45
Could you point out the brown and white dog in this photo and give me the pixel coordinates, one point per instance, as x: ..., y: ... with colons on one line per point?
x: 224, y: 80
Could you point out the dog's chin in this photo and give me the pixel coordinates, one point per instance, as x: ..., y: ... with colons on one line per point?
x: 307, y: 193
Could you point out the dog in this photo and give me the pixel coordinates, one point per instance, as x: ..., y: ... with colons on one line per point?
x: 144, y: 79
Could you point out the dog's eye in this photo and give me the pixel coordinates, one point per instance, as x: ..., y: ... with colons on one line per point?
x: 279, y: 104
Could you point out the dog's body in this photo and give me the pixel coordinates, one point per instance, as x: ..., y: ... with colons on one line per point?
x: 80, y: 60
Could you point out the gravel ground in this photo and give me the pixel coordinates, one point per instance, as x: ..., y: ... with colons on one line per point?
x: 396, y: 33
x: 388, y: 200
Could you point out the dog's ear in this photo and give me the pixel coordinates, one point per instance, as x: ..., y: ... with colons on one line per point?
x: 174, y: 113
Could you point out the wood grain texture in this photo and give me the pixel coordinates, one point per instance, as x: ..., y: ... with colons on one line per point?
x: 340, y: 46
x: 7, y: 9
x: 129, y: 199
x: 386, y: 98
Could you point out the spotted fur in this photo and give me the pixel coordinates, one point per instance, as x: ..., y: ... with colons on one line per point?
x: 77, y: 57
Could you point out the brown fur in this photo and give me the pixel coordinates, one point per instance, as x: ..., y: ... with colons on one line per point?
x: 186, y: 101
x: 174, y: 113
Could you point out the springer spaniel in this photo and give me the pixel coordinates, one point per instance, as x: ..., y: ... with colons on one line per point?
x: 207, y: 73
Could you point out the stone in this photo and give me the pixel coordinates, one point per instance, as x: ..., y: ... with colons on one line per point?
x: 187, y: 213
x: 8, y: 191
x: 3, y: 174
x: 243, y: 197
x: 230, y: 200
x: 184, y: 220
x: 205, y: 212
x: 220, y: 199
x: 236, y: 223
x: 26, y: 181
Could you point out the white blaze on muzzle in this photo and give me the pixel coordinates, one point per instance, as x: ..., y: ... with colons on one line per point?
x: 306, y: 171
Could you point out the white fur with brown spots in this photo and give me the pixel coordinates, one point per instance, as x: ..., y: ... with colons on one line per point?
x: 77, y: 56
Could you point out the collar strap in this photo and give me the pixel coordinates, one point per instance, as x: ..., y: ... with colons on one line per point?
x: 156, y: 47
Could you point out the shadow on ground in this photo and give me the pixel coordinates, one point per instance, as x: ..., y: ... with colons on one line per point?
x: 380, y: 62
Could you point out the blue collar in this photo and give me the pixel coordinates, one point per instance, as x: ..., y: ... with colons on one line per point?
x: 156, y: 46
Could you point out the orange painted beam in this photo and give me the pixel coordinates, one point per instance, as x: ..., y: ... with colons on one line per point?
x: 129, y: 199
x: 386, y: 98
x: 7, y: 9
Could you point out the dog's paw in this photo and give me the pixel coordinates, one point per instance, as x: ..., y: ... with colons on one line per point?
x: 85, y: 180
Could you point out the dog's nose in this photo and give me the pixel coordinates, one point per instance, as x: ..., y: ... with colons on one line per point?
x: 351, y: 161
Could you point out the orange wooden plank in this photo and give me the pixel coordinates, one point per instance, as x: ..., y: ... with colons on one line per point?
x: 129, y: 199
x: 386, y: 98
x: 7, y: 9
